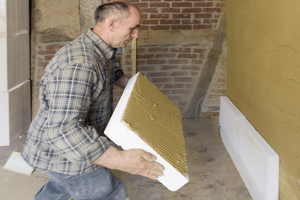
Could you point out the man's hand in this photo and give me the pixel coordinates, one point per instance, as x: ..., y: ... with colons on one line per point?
x: 134, y: 161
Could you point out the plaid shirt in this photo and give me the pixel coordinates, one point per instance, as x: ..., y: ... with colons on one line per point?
x: 75, y: 106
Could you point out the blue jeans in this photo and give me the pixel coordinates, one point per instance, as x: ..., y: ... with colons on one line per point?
x: 97, y: 185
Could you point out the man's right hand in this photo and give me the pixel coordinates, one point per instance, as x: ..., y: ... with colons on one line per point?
x: 134, y: 161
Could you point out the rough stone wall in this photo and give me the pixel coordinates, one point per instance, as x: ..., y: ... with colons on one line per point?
x: 51, y: 22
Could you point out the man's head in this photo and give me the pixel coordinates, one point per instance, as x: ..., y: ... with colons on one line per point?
x: 117, y: 23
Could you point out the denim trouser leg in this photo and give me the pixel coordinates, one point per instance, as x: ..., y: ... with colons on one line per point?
x: 52, y: 191
x: 97, y: 185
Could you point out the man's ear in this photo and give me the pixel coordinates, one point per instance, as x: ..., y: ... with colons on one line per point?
x: 112, y: 25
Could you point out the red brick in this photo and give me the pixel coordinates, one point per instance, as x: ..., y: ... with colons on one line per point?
x: 181, y: 27
x: 175, y: 85
x: 187, y: 56
x: 191, y: 21
x: 159, y: 5
x: 165, y: 55
x: 140, y: 50
x: 144, y: 56
x: 149, y: 22
x: 181, y: 16
x: 183, y: 79
x: 144, y: 16
x: 160, y: 27
x: 182, y: 103
x: 181, y: 92
x: 170, y: 21
x: 46, y: 52
x: 191, y: 45
x: 170, y: 10
x: 179, y: 73
x: 169, y: 67
x: 192, y: 10
x: 194, y: 73
x: 146, y: 68
x: 179, y: 49
x: 156, y: 62
x: 141, y: 62
x: 173, y: 0
x: 182, y: 4
x: 158, y: 49
x: 159, y: 16
x: 141, y: 5
x: 204, y: 4
x: 178, y: 61
x: 202, y: 26
x: 54, y: 46
x: 199, y: 50
x: 161, y: 80
x: 148, y: 10
x: 157, y: 74
x: 47, y: 58
x: 203, y: 16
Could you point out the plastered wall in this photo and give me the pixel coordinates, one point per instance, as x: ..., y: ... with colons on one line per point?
x: 263, y: 77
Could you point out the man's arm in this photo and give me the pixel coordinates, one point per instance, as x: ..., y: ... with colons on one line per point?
x: 122, y: 82
x: 134, y: 161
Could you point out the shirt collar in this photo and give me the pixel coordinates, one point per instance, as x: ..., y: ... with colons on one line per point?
x: 107, y: 51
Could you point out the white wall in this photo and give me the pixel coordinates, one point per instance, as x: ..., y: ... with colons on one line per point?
x: 15, y: 105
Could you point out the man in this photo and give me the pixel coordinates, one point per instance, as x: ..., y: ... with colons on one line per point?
x: 66, y: 137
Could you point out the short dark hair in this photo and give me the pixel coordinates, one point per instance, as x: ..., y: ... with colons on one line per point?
x: 118, y: 8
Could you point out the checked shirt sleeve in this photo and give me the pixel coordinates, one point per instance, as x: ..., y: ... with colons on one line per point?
x: 69, y: 93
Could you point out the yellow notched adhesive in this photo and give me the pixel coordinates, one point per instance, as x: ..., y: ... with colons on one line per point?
x: 156, y: 119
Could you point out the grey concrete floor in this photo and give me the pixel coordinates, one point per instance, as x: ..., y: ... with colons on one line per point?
x: 212, y: 173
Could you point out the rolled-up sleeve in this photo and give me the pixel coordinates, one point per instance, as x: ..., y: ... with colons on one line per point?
x: 69, y: 93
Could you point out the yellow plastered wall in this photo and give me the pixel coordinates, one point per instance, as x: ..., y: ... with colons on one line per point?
x: 263, y: 77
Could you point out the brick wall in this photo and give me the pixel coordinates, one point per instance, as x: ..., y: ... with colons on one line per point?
x: 44, y: 53
x: 173, y: 67
x: 179, y: 14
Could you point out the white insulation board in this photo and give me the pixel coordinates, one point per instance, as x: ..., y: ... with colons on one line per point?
x: 256, y: 161
x: 120, y: 134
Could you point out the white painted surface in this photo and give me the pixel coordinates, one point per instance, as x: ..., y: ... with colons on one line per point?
x: 3, y: 26
x: 229, y: 118
x: 256, y: 161
x: 4, y: 119
x: 15, y: 113
x: 118, y: 132
x: 3, y: 65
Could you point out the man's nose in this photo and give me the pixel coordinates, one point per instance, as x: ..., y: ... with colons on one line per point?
x: 135, y: 33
